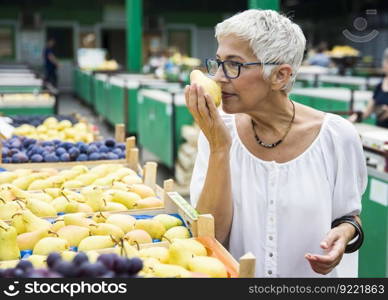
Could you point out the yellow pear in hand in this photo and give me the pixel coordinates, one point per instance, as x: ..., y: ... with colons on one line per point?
x: 208, y: 265
x: 210, y: 86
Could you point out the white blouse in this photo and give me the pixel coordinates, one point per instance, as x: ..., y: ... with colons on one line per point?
x: 284, y: 210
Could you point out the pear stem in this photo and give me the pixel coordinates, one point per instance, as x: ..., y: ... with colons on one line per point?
x: 168, y: 240
x: 137, y: 245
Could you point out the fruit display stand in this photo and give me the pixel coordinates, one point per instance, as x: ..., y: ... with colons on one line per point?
x: 27, y: 104
x: 20, y: 85
x: 161, y: 115
x: 333, y: 99
x: 122, y: 93
x: 351, y: 82
x: 373, y: 255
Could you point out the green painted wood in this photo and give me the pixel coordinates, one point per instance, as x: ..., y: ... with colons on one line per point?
x: 100, y: 97
x: 134, y: 12
x: 27, y: 111
x: 373, y: 255
x: 20, y: 89
x: 116, y: 104
x: 132, y: 111
x: 155, y: 125
x: 264, y: 4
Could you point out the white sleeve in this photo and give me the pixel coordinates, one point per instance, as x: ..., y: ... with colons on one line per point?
x: 200, y: 169
x: 350, y: 172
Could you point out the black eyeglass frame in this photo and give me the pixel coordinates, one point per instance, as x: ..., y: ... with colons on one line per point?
x: 220, y: 62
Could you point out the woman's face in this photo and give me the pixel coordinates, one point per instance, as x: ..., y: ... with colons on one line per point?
x: 243, y: 93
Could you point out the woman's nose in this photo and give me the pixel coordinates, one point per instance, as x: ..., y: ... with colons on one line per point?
x: 220, y: 75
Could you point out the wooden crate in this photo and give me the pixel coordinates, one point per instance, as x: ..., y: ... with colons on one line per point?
x: 131, y: 160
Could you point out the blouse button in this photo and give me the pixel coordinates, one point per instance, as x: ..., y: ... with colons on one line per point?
x: 271, y: 254
x: 270, y: 238
x: 270, y: 272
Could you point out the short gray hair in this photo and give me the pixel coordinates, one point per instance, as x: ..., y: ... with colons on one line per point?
x: 271, y: 36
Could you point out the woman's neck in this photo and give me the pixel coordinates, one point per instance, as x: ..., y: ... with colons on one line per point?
x: 273, y: 115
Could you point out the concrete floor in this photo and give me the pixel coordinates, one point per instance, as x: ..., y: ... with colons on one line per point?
x: 69, y: 104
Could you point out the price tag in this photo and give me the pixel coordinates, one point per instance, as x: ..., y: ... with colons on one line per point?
x: 6, y: 130
x: 183, y: 205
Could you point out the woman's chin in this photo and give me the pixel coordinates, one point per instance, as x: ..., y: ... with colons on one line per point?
x: 227, y: 108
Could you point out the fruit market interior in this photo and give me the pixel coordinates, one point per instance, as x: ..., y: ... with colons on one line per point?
x: 101, y: 148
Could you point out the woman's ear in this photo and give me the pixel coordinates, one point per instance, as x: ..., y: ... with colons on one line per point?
x: 280, y: 77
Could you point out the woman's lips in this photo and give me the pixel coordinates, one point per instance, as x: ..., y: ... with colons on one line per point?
x: 227, y: 95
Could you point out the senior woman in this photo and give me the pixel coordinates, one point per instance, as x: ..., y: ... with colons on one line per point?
x: 274, y: 173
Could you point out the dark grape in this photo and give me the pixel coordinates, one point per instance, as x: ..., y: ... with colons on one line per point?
x: 24, y: 265
x: 53, y: 258
x: 108, y: 259
x: 135, y: 266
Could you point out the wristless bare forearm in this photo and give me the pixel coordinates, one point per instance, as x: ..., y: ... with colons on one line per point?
x: 216, y: 195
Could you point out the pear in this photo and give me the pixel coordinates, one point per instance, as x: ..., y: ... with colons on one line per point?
x: 50, y: 244
x: 177, y: 232
x: 127, y: 198
x: 149, y: 202
x: 58, y: 224
x: 126, y: 249
x: 105, y: 181
x: 80, y: 169
x: 208, y: 265
x: 131, y: 179
x: 6, y: 264
x: 32, y: 222
x: 73, y: 196
x: 123, y: 172
x: 73, y: 184
x: 94, y: 197
x: 9, y: 249
x: 60, y: 204
x: 210, y: 86
x: 77, y: 219
x: 7, y: 177
x: 113, y: 206
x: 153, y: 227
x: 160, y: 253
x: 40, y: 185
x: 182, y: 250
x: 17, y: 222
x: 168, y: 221
x: 82, y: 207
x: 118, y: 185
x: 125, y: 222
x: 171, y: 271
x: 27, y: 240
x: 73, y: 234
x: 38, y: 261
x: 40, y: 208
x: 100, y: 217
x: 87, y: 179
x: 107, y: 229
x: 25, y: 181
x: 142, y: 190
x: 8, y: 209
x: 68, y: 255
x: 96, y: 242
x: 138, y: 236
x: 53, y: 192
x: 42, y: 197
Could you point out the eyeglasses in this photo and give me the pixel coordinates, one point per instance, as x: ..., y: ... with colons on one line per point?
x: 231, y: 68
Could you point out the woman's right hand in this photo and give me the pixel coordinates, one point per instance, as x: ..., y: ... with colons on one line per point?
x: 208, y: 118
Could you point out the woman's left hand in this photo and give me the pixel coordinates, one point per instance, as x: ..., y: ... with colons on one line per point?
x: 334, y: 245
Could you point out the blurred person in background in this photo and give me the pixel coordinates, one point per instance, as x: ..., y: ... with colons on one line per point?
x: 379, y: 102
x: 282, y: 180
x: 51, y: 63
x: 320, y: 58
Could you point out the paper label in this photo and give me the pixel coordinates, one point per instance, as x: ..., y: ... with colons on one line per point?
x: 183, y: 205
x: 379, y: 192
x: 6, y: 130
